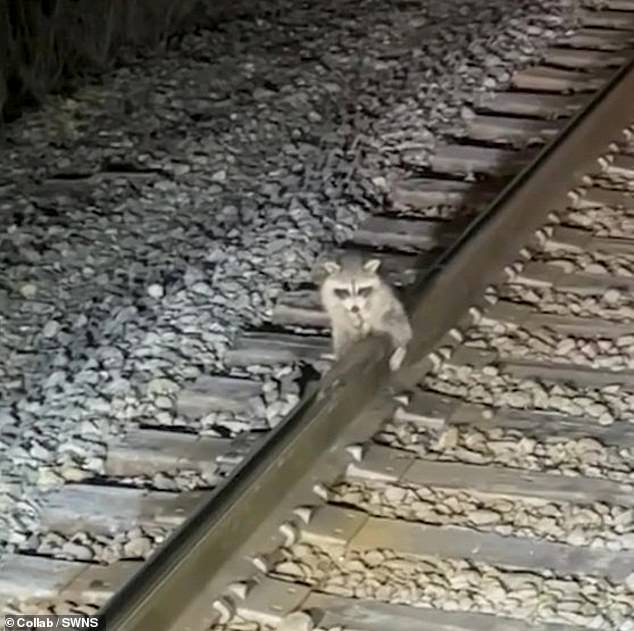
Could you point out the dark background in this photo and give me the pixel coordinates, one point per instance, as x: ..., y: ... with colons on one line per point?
x: 47, y: 45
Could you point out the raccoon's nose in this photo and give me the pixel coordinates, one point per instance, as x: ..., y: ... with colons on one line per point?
x: 354, y: 309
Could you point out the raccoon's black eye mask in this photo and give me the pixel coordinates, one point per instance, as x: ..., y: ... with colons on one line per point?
x: 364, y: 292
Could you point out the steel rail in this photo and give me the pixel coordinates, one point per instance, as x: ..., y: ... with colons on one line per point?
x: 161, y: 592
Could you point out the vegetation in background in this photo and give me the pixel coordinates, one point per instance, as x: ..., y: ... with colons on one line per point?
x: 45, y: 43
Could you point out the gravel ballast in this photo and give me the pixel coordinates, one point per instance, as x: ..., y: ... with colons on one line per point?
x: 460, y: 585
x: 599, y: 525
x: 153, y: 217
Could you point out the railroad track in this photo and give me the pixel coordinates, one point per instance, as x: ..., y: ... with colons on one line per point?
x: 514, y: 426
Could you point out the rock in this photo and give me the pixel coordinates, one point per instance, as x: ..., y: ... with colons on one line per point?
x: 612, y: 296
x: 40, y: 452
x: 77, y: 551
x: 298, y: 621
x: 55, y: 379
x: 395, y: 495
x: 110, y: 357
x: 162, y: 386
x: 623, y: 517
x: 606, y: 419
x: 588, y: 445
x: 274, y: 413
x: 47, y: 477
x: 448, y: 439
x: 51, y: 542
x: 205, y: 290
x: 519, y: 399
x: 289, y: 568
x: 17, y: 537
x: 155, y: 291
x: 181, y: 169
x: 471, y: 457
x: 28, y: 291
x: 380, y: 182
x: 373, y: 558
x: 98, y: 405
x: 71, y: 473
x: 139, y: 547
x: 577, y: 537
x: 51, y: 328
x: 164, y: 403
x: 162, y: 482
x: 482, y: 517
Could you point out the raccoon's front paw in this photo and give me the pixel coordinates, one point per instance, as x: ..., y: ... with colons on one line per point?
x: 396, y: 360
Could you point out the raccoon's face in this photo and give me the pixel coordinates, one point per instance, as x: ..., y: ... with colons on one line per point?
x: 353, y: 289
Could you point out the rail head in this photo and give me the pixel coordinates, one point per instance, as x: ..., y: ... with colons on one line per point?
x: 152, y: 599
x: 163, y: 589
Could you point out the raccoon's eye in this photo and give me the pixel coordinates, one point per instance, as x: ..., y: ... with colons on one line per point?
x: 342, y: 293
x: 365, y: 292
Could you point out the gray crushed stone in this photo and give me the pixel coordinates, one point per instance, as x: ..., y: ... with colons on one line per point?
x: 458, y: 584
x: 592, y: 524
x: 151, y: 218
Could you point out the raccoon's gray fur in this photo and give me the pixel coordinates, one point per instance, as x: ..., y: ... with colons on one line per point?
x: 359, y: 302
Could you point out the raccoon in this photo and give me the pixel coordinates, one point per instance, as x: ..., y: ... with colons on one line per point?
x: 359, y: 302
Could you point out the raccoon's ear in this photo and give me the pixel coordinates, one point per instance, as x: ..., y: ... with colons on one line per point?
x: 331, y: 267
x: 372, y: 265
